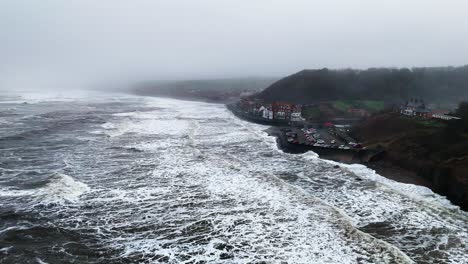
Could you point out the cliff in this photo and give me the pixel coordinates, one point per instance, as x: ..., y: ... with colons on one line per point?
x: 436, y: 151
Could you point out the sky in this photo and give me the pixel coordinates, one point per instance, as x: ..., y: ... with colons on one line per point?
x: 104, y: 40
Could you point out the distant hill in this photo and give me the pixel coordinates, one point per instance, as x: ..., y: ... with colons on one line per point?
x: 442, y: 84
x: 215, y: 90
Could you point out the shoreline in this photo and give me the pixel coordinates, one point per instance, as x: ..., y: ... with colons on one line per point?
x: 380, y: 166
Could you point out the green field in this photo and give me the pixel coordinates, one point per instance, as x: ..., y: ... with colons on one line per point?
x: 369, y: 105
x: 374, y: 106
x: 342, y: 105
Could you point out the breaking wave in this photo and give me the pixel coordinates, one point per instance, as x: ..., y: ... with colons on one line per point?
x: 164, y: 181
x: 62, y: 188
x: 59, y: 188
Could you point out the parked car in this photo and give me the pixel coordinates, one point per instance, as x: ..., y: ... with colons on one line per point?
x: 333, y: 142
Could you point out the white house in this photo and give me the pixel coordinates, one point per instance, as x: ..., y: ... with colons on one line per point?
x: 297, y: 117
x: 408, y: 112
x: 266, y: 113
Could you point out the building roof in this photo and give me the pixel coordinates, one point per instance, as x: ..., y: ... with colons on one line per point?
x: 440, y: 111
x: 422, y: 110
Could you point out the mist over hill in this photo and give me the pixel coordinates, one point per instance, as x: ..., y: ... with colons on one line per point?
x: 441, y: 84
x: 214, y: 90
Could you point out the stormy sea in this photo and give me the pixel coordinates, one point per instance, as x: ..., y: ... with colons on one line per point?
x: 115, y: 178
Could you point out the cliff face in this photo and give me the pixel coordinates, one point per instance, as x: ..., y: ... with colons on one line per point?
x: 311, y: 86
x: 429, y: 149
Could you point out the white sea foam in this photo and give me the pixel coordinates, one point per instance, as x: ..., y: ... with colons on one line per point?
x: 145, y: 123
x: 368, y: 198
x: 63, y: 95
x: 282, y: 224
x: 417, y: 192
x: 10, y: 192
x: 62, y: 188
x: 238, y: 167
x: 209, y: 187
x: 40, y: 261
x: 5, y: 250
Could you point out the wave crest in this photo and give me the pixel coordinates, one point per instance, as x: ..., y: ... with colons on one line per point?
x: 63, y: 188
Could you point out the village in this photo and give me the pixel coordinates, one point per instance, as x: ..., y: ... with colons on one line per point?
x: 296, y: 128
x: 327, y: 125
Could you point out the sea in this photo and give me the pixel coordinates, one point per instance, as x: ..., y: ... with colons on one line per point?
x: 94, y: 177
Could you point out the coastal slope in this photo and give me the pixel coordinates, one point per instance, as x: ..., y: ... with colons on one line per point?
x: 435, y: 151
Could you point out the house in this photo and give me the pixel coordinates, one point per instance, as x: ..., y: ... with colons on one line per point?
x: 266, y: 111
x: 415, y: 107
x: 282, y: 111
x: 423, y: 113
x: 296, y: 114
x: 297, y: 117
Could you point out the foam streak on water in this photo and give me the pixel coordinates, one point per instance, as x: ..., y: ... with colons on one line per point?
x: 158, y: 180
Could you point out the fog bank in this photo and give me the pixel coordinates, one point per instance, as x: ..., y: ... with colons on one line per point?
x: 76, y: 43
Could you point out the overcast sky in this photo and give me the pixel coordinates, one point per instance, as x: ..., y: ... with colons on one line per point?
x: 185, y: 39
